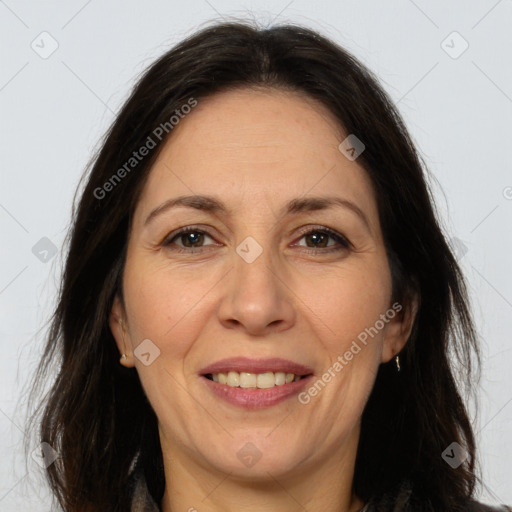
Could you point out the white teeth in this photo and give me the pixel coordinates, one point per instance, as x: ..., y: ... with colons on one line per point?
x: 255, y: 380
x: 265, y: 380
x: 247, y: 380
x: 280, y: 378
x: 233, y: 379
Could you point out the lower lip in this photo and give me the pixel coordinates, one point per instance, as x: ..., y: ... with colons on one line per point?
x: 256, y: 398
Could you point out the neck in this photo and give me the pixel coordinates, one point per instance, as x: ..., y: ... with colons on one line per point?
x: 314, y: 485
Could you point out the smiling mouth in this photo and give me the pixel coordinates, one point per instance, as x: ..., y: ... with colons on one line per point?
x: 264, y: 380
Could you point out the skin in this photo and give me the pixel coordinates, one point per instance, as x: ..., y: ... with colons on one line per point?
x: 255, y: 150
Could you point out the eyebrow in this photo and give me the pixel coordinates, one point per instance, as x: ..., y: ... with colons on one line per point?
x: 295, y: 206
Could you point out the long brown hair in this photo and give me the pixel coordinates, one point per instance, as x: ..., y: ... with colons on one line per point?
x: 97, y: 415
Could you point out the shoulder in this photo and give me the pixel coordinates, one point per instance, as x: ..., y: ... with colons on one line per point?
x: 476, y: 506
x: 406, y: 500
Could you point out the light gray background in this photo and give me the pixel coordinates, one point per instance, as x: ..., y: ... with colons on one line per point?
x: 54, y: 111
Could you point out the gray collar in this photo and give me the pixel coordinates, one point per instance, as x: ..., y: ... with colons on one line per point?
x: 142, y: 500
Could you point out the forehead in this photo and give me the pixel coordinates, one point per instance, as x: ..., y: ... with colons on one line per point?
x: 247, y: 146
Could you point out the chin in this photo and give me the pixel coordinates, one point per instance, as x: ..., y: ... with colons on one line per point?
x: 248, y: 460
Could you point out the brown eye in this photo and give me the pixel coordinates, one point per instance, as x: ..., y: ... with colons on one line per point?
x: 189, y: 238
x: 319, y: 239
x: 192, y: 238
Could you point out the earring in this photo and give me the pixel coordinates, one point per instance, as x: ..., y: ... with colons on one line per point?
x: 123, y: 357
x: 397, y: 359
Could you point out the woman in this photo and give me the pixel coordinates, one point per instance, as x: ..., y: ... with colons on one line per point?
x: 259, y: 310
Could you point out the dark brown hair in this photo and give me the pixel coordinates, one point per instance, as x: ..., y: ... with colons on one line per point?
x: 97, y: 415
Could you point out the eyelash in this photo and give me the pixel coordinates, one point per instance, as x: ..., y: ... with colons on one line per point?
x: 344, y: 244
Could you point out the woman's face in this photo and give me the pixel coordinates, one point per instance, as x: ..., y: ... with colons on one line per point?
x: 258, y: 277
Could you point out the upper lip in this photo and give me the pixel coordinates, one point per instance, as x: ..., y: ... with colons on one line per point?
x: 246, y: 364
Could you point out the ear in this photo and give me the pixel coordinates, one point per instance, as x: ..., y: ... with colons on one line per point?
x: 117, y: 323
x: 399, y: 328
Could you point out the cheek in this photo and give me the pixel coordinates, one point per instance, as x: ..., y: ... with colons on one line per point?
x: 348, y: 302
x: 349, y: 306
x: 168, y: 307
x: 161, y: 302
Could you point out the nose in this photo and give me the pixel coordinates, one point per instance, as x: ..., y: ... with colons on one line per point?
x: 257, y: 298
